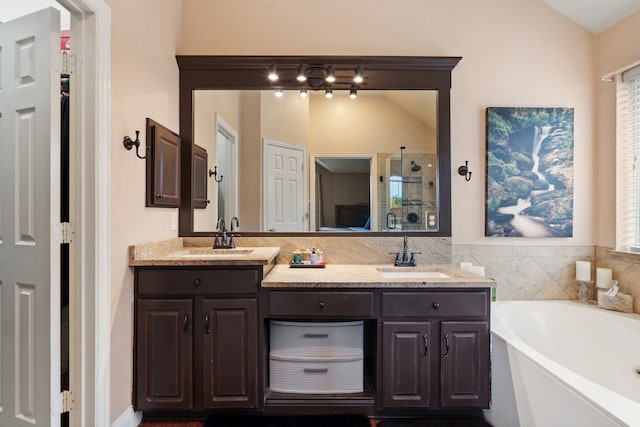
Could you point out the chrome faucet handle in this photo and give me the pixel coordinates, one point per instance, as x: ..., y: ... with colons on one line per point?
x: 398, y: 259
x: 216, y: 241
x: 232, y: 241
x: 413, y: 261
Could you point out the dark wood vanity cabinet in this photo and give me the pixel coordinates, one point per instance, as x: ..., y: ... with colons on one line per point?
x: 202, y: 345
x: 164, y: 345
x: 196, y: 339
x: 435, y: 350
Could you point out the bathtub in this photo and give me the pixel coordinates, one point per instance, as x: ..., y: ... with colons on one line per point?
x: 565, y: 364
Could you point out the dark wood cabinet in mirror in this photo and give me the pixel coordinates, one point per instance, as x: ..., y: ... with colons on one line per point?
x: 403, y: 187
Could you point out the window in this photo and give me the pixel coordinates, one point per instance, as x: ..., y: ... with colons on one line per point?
x: 628, y: 161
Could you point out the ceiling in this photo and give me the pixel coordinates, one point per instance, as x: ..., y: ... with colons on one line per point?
x: 595, y: 15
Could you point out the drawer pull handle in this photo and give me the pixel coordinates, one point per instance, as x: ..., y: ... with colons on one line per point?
x: 321, y: 304
x: 435, y: 305
x: 207, y: 329
x: 316, y: 335
x: 446, y: 345
x: 426, y: 344
x: 316, y: 370
x: 187, y: 327
x: 196, y: 283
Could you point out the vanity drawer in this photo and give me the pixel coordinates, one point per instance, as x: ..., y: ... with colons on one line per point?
x: 316, y: 339
x: 321, y: 304
x: 179, y: 281
x: 316, y: 376
x: 441, y: 304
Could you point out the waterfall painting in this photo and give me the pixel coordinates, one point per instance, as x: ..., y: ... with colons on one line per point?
x: 529, y: 172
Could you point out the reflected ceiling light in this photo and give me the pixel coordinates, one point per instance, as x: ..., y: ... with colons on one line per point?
x: 279, y: 93
x: 328, y: 93
x: 358, y: 76
x: 353, y: 94
x: 273, y: 73
x: 331, y: 74
x: 303, y: 93
x: 301, y: 76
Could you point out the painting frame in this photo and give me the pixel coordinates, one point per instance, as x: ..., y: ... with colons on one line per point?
x: 529, y: 172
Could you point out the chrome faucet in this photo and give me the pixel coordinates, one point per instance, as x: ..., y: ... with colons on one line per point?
x: 219, y: 243
x: 406, y: 258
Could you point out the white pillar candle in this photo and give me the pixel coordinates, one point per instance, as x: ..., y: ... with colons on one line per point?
x: 466, y: 266
x: 603, y: 278
x: 583, y: 271
x: 479, y: 270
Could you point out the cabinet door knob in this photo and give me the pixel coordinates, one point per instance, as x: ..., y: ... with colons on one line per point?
x: 159, y: 196
x: 321, y: 304
x: 435, y: 305
x: 196, y: 283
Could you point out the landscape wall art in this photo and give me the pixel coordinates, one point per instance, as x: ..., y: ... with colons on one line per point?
x: 529, y: 172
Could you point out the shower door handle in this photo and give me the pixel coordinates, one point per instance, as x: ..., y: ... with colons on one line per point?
x: 391, y: 220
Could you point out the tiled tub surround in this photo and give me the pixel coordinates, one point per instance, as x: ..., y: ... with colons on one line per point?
x: 548, y: 272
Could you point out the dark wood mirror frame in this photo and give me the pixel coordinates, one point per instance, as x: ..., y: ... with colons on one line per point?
x: 382, y: 72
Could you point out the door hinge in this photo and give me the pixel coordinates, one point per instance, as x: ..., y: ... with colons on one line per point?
x: 64, y: 232
x: 64, y: 402
x: 64, y: 62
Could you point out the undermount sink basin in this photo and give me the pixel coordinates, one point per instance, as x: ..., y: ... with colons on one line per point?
x: 216, y: 253
x: 413, y: 274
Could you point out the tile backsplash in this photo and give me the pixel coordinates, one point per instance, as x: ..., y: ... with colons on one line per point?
x: 521, y: 272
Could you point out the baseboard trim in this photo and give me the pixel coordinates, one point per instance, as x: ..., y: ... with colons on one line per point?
x: 129, y: 418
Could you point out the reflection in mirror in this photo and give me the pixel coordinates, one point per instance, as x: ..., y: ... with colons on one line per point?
x: 318, y: 164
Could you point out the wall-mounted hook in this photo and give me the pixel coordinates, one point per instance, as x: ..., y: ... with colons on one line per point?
x: 464, y: 171
x: 214, y: 173
x: 129, y: 144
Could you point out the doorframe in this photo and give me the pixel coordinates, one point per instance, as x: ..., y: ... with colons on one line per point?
x: 373, y: 187
x: 90, y: 337
x: 222, y: 126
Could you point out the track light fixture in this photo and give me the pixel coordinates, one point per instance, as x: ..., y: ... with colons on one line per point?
x: 273, y: 73
x: 331, y: 74
x: 358, y: 77
x: 314, y: 77
x: 301, y: 76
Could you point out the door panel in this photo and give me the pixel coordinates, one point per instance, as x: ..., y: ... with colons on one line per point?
x: 284, y: 198
x: 406, y: 364
x: 230, y: 353
x: 465, y: 364
x: 29, y: 205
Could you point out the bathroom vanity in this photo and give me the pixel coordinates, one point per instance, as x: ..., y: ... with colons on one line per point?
x: 202, y: 335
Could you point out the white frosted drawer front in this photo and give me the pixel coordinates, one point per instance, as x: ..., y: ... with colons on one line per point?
x: 310, y: 376
x: 316, y: 339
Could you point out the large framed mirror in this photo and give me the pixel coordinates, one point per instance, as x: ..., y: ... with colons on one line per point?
x: 302, y: 155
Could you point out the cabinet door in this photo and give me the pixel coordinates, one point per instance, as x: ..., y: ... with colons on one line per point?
x: 406, y: 364
x: 230, y: 353
x: 465, y: 364
x: 163, y: 166
x: 164, y: 340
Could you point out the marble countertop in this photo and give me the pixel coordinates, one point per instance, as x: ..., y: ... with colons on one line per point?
x: 369, y: 276
x: 173, y: 253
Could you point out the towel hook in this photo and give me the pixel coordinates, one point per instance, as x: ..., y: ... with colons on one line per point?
x: 129, y: 144
x: 214, y: 174
x: 464, y: 171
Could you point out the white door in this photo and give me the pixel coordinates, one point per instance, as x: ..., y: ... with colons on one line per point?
x: 284, y: 194
x: 29, y: 204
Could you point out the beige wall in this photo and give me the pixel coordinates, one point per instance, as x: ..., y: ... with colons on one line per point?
x: 145, y: 35
x: 616, y: 48
x: 515, y: 53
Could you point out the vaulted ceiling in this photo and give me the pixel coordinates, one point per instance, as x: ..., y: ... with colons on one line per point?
x: 595, y: 15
